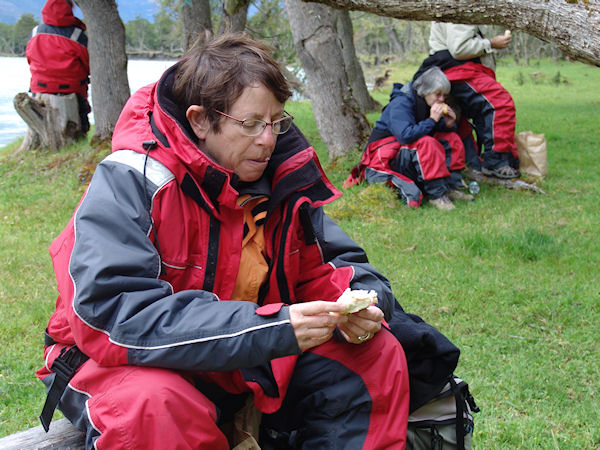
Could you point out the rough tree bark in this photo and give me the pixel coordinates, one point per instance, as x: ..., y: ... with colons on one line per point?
x: 340, y: 122
x: 195, y: 21
x: 354, y: 71
x: 574, y: 26
x: 234, y: 14
x: 108, y: 64
x: 53, y: 120
x: 295, y: 83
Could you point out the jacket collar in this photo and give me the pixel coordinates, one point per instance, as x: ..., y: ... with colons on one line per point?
x: 152, y: 114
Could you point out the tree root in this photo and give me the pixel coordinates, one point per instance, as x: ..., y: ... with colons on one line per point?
x: 512, y: 183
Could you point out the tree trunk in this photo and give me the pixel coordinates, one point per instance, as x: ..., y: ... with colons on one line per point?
x: 235, y: 13
x: 195, y: 22
x: 353, y: 70
x: 525, y: 48
x: 397, y: 48
x: 295, y: 83
x: 108, y: 64
x: 574, y: 26
x: 53, y: 120
x: 340, y: 122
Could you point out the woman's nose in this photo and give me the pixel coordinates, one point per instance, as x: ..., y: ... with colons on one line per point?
x: 267, y: 137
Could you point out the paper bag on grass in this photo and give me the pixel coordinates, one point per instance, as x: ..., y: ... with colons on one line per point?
x: 532, y: 153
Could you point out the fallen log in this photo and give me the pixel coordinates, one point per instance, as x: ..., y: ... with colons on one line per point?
x: 62, y: 435
x: 53, y: 120
x: 512, y: 183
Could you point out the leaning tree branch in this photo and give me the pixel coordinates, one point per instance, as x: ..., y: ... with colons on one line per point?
x: 572, y: 25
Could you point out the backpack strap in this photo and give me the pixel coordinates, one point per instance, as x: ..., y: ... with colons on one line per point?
x: 437, y: 441
x: 64, y: 367
x: 465, y: 405
x: 460, y: 414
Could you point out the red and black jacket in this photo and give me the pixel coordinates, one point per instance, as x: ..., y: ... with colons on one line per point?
x: 57, y: 52
x: 151, y: 255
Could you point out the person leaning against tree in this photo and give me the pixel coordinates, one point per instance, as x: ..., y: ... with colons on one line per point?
x: 200, y: 268
x: 58, y: 57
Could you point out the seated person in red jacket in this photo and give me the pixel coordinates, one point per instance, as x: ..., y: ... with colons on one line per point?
x: 200, y: 271
x: 58, y: 57
x: 414, y: 146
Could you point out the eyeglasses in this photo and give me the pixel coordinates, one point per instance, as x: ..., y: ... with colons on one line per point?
x: 254, y: 127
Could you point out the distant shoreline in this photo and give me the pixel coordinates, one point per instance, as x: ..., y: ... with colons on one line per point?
x: 141, y: 71
x: 154, y: 55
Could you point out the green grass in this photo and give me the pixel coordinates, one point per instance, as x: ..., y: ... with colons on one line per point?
x: 512, y: 278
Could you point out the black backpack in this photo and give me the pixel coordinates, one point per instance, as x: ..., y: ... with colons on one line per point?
x: 441, y: 406
x: 445, y: 422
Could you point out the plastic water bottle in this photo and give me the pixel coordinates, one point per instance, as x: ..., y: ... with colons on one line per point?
x: 474, y: 187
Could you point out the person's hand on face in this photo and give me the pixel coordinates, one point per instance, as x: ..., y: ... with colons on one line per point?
x: 231, y: 148
x: 435, y: 100
x: 449, y: 115
x: 439, y: 110
x: 436, y: 111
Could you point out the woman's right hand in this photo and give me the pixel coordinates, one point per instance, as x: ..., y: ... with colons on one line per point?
x: 314, y: 322
x: 436, y: 111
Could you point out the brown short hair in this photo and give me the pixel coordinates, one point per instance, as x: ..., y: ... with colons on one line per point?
x: 215, y: 74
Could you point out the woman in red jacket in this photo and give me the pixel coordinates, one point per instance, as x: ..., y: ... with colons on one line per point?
x: 200, y: 270
x: 58, y: 57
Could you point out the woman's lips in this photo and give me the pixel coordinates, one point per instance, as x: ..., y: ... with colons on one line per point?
x: 264, y: 160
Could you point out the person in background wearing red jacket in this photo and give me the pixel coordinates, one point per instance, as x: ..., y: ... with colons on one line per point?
x: 200, y: 272
x: 58, y: 57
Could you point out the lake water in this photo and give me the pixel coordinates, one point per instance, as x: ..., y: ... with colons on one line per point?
x: 14, y: 78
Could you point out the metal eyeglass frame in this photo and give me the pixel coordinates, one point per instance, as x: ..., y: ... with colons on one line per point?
x: 287, y: 119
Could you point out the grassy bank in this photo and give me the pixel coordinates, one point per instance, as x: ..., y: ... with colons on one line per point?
x: 512, y: 278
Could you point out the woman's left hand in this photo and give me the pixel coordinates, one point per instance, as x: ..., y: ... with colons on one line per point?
x: 362, y: 325
x: 449, y: 116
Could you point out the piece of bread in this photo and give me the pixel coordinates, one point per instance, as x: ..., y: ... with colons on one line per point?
x: 444, y: 108
x: 357, y: 299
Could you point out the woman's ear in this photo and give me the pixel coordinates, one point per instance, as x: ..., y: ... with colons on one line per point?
x: 196, y: 116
